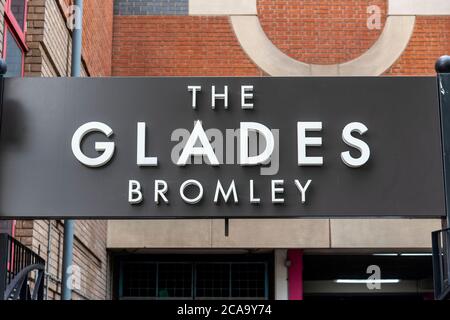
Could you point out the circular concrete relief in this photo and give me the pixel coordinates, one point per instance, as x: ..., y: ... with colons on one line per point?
x: 386, y: 50
x: 389, y: 46
x: 378, y: 58
x: 323, y: 31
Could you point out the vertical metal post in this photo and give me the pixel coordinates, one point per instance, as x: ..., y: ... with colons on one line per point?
x: 437, y: 264
x: 66, y: 290
x: 77, y: 37
x: 4, y: 252
x: 443, y: 74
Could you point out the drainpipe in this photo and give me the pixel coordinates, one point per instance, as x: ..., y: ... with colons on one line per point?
x: 66, y: 290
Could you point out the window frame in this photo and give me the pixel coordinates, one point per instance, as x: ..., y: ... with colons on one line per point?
x: 18, y: 33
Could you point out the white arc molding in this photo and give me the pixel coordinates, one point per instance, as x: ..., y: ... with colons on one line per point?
x: 381, y: 56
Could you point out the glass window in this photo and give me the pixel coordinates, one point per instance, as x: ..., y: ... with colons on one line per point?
x: 213, y: 280
x: 14, y: 46
x: 139, y: 280
x: 18, y: 10
x: 13, y: 56
x: 174, y: 280
x: 248, y: 280
x: 193, y: 280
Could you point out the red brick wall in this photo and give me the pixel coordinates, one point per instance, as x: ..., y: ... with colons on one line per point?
x: 97, y: 36
x: 431, y: 39
x: 313, y: 31
x: 177, y: 46
x: 320, y: 31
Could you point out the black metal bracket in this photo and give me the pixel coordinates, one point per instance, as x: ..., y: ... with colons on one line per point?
x: 440, y: 243
x: 227, y: 228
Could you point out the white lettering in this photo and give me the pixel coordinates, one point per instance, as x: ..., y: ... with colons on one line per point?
x: 304, y: 142
x: 142, y: 160
x: 161, y: 189
x: 303, y: 189
x: 194, y: 90
x: 191, y: 150
x: 246, y: 159
x: 227, y: 195
x: 106, y: 147
x: 360, y: 145
x: 187, y: 184
x: 134, y: 192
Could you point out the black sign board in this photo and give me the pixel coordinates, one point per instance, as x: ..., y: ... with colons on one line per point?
x: 316, y: 147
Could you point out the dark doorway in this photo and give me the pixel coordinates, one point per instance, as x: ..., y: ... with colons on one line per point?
x: 402, y: 276
x: 193, y: 277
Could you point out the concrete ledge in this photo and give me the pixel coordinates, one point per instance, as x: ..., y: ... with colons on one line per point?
x: 140, y: 234
x: 222, y: 7
x: 419, y: 7
x: 383, y: 233
x: 282, y: 233
x: 273, y: 233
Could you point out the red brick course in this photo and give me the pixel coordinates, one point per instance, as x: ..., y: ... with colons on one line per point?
x: 177, y: 46
x: 97, y: 37
x: 312, y: 31
x: 431, y: 39
x: 320, y: 31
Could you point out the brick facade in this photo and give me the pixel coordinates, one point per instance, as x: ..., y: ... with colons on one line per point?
x: 177, y: 46
x: 97, y: 36
x: 49, y: 38
x: 319, y: 32
x: 431, y: 39
x: 45, y: 237
x: 49, y: 41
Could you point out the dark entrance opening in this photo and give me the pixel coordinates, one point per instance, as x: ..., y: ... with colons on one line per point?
x: 193, y: 277
x: 402, y: 276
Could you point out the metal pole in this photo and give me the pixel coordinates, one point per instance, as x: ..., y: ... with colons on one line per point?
x: 443, y: 74
x: 3, y: 237
x: 66, y: 290
x: 443, y: 71
x: 77, y: 38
